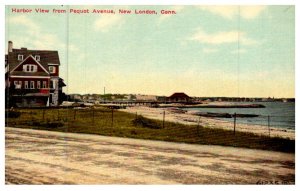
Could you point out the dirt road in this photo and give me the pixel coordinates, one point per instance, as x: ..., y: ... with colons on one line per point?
x: 42, y: 157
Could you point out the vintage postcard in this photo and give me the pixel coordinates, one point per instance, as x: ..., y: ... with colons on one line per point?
x: 150, y: 94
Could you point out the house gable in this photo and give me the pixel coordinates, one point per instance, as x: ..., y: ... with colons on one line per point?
x: 29, y: 66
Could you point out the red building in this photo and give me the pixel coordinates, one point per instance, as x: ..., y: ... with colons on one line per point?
x: 32, y: 77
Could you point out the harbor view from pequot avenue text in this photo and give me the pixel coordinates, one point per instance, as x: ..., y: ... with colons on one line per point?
x: 150, y: 94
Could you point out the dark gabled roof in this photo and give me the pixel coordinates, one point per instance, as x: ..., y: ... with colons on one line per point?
x: 179, y: 94
x: 46, y: 57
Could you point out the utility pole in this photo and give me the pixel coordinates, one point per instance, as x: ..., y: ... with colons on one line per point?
x: 269, y: 125
x: 234, y: 123
x: 164, y: 114
x: 104, y: 94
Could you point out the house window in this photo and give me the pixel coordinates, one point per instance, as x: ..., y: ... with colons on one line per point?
x: 38, y: 84
x: 51, y: 84
x: 26, y: 85
x: 31, y: 84
x: 29, y: 68
x: 44, y: 84
x: 18, y: 84
x: 20, y: 57
x: 52, y: 69
x: 37, y: 57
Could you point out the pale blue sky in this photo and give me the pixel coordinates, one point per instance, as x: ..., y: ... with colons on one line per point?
x: 202, y: 50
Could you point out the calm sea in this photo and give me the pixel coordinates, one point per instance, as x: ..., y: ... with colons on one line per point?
x: 281, y: 114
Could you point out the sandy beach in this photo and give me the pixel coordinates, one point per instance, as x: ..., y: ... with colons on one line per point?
x: 172, y: 115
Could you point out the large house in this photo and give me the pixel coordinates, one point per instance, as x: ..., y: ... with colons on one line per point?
x: 32, y: 77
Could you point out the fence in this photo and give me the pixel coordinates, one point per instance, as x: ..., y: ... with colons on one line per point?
x: 88, y: 116
x: 108, y: 118
x: 262, y: 124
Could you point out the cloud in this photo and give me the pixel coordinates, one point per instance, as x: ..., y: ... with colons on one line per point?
x: 222, y: 37
x: 263, y: 74
x: 251, y: 12
x: 229, y: 12
x: 105, y: 22
x: 239, y: 51
x: 35, y: 36
x: 209, y: 50
x: 23, y: 20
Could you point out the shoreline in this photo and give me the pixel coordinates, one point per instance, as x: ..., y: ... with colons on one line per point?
x: 187, y: 118
x: 221, y: 105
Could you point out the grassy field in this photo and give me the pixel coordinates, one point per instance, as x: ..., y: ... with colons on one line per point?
x: 104, y: 121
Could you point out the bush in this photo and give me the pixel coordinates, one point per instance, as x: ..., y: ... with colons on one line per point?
x: 36, y: 123
x: 133, y: 132
x: 13, y: 114
x: 140, y: 121
x: 54, y: 124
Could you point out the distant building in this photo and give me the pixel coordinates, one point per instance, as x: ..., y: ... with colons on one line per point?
x: 145, y: 98
x: 75, y: 97
x: 32, y: 77
x: 161, y: 98
x: 179, y: 97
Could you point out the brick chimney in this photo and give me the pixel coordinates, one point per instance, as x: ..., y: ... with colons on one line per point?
x: 10, y: 46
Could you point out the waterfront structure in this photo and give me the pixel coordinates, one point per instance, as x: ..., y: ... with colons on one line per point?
x: 179, y: 97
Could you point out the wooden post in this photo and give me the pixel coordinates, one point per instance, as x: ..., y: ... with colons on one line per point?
x: 198, y: 125
x: 31, y: 115
x: 93, y: 115
x: 74, y: 114
x: 164, y: 114
x: 112, y: 117
x: 269, y: 126
x: 136, y: 117
x: 234, y: 124
x: 58, y: 114
x: 43, y: 114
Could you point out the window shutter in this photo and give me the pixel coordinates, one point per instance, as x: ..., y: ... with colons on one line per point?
x: 35, y: 68
x: 24, y: 68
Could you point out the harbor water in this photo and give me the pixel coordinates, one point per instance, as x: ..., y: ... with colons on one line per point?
x: 276, y: 114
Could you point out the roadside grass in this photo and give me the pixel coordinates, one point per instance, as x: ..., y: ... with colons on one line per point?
x: 104, y: 121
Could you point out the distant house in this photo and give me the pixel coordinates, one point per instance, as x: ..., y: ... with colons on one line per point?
x: 75, y: 97
x: 179, y: 97
x: 32, y: 77
x: 161, y: 99
x: 145, y: 97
